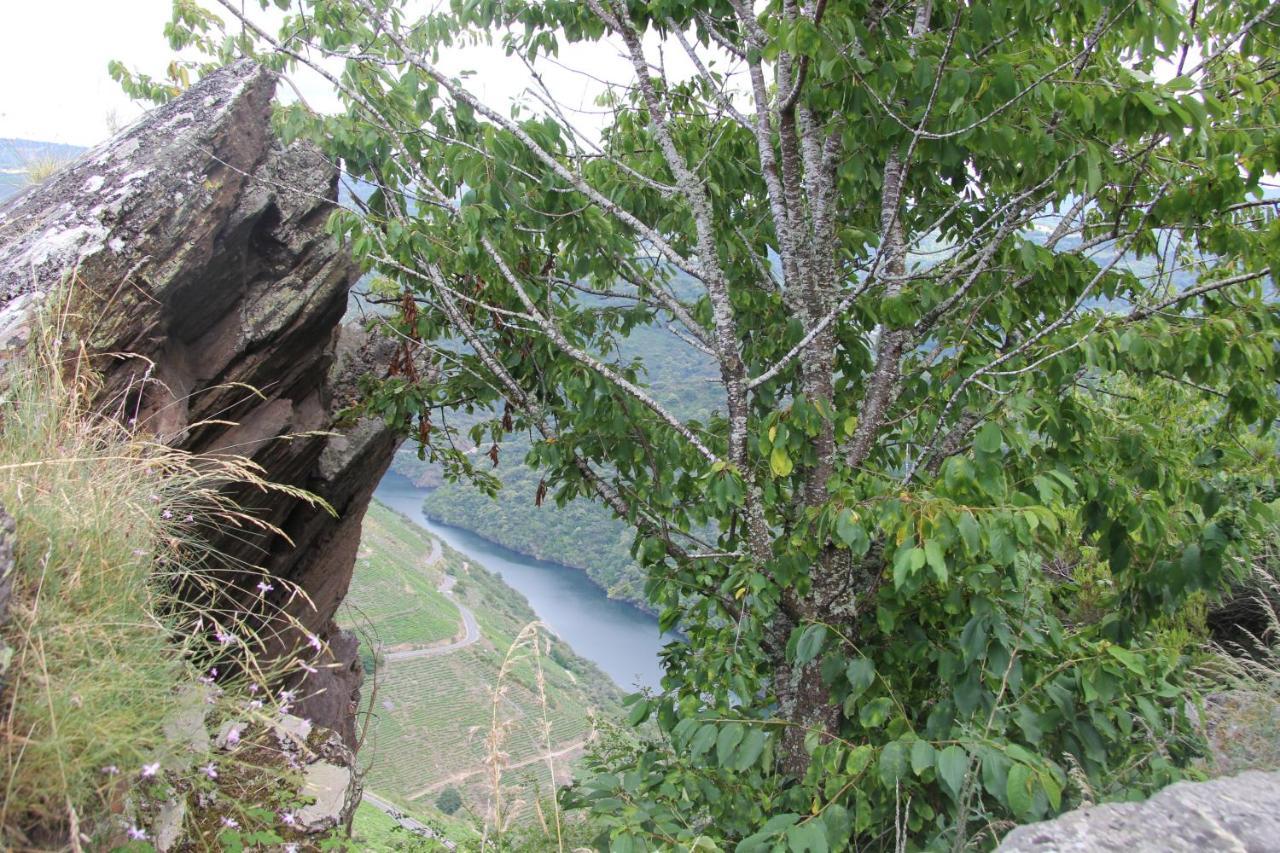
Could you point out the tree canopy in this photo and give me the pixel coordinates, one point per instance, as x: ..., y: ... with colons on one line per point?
x: 987, y: 292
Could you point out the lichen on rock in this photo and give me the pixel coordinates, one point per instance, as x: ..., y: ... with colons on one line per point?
x: 192, y: 251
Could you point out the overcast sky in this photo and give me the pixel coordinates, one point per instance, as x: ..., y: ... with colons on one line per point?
x: 53, y: 68
x: 56, y: 89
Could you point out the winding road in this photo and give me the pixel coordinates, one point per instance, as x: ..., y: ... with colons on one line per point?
x: 471, y: 635
x: 471, y: 628
x: 404, y: 820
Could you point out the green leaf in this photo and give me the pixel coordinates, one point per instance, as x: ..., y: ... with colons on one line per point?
x: 748, y: 752
x: 922, y: 756
x: 810, y: 643
x: 808, y: 837
x: 1052, y: 789
x: 639, y: 712
x: 780, y: 462
x: 836, y: 818
x: 893, y: 763
x: 995, y: 773
x: 970, y: 532
x: 953, y: 763
x: 875, y: 712
x: 988, y: 439
x: 906, y: 562
x: 861, y: 673
x: 703, y: 740
x: 1018, y: 789
x: 760, y: 842
x: 851, y: 533
x: 727, y: 742
x: 937, y: 562
x: 1128, y: 658
x: 858, y: 759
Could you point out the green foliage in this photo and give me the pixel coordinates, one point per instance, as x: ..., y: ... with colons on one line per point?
x: 449, y: 800
x: 397, y: 594
x: 987, y: 293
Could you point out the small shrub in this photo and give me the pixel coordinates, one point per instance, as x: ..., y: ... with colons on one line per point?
x: 449, y: 800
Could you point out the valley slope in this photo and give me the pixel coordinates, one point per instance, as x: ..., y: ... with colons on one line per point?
x: 429, y: 703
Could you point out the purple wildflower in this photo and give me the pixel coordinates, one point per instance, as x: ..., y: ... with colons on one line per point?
x: 149, y: 771
x: 167, y: 514
x: 111, y: 770
x: 137, y: 833
x: 233, y: 736
x: 210, y: 770
x: 230, y: 822
x: 264, y: 587
x: 288, y: 818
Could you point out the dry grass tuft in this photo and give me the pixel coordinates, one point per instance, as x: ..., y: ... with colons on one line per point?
x: 104, y: 642
x: 1242, y: 704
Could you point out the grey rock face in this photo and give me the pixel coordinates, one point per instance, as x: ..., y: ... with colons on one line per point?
x: 6, y: 586
x: 195, y: 243
x: 1241, y: 813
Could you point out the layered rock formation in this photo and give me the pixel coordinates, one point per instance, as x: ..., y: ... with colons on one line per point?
x: 192, y: 251
x: 1241, y: 813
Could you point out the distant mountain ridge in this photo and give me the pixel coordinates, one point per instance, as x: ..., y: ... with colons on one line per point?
x: 17, y: 156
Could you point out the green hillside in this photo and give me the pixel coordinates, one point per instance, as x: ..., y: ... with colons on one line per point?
x: 395, y: 590
x: 581, y: 534
x: 431, y: 717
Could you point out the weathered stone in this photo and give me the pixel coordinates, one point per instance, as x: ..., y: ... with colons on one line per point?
x: 330, y: 785
x: 167, y: 828
x: 292, y: 732
x: 185, y: 732
x: 1241, y: 813
x: 6, y: 587
x: 196, y: 243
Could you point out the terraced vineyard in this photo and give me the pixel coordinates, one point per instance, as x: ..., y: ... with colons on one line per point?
x: 430, y: 716
x: 438, y: 703
x: 395, y: 590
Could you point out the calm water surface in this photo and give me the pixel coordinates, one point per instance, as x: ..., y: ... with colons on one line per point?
x: 621, y: 639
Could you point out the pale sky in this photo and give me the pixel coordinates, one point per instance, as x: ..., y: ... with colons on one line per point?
x: 54, y: 65
x: 56, y: 87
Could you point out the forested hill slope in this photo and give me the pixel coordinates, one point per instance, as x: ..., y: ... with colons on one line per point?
x: 582, y: 534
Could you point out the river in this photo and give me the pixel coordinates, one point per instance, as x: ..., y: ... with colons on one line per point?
x: 621, y: 639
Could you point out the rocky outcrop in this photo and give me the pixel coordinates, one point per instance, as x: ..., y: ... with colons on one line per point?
x: 6, y: 587
x: 192, y: 252
x: 1241, y: 813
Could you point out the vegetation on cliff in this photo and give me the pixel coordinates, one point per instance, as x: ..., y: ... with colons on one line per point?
x: 134, y: 703
x: 939, y: 545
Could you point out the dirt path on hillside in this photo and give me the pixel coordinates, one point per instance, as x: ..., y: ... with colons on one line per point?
x: 459, y: 777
